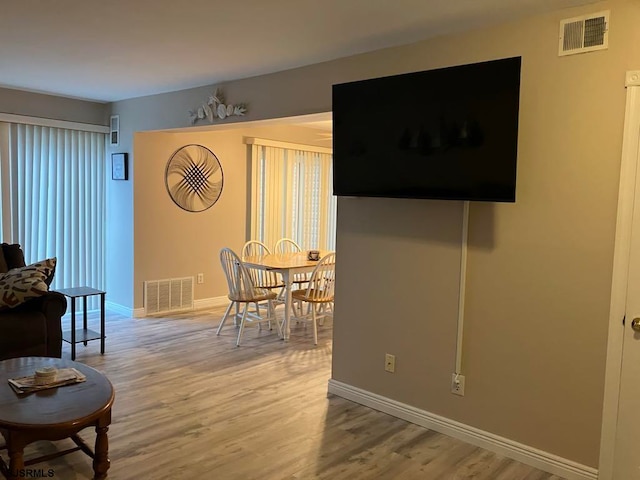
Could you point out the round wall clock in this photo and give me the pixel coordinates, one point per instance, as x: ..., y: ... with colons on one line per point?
x: 194, y: 178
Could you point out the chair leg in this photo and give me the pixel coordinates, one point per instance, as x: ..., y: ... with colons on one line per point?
x: 315, y: 324
x: 271, y: 313
x: 244, y: 317
x: 224, y: 317
x: 258, y: 314
x: 322, y: 309
x: 235, y: 318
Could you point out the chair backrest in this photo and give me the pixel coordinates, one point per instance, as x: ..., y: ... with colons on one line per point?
x: 286, y: 245
x: 261, y: 278
x: 323, y: 279
x: 254, y: 248
x: 239, y: 280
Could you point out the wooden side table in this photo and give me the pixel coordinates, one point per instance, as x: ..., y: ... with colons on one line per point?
x: 84, y: 334
x: 53, y: 414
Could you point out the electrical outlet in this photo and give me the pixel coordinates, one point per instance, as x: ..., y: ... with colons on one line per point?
x: 200, y: 278
x: 390, y: 363
x: 457, y: 384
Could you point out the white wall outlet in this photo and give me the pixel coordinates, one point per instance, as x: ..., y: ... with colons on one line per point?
x: 200, y: 278
x: 457, y: 384
x: 390, y: 363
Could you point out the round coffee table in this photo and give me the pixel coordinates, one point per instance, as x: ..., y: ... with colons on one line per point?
x: 53, y: 414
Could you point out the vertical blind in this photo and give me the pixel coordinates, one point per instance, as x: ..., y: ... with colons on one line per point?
x: 53, y: 192
x: 292, y: 196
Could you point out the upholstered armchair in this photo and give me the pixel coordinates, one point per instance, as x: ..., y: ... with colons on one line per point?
x: 30, y: 314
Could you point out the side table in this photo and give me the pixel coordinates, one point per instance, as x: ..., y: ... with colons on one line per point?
x: 53, y: 414
x: 83, y: 335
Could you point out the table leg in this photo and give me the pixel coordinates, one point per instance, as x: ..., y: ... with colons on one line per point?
x: 73, y: 328
x: 101, y: 462
x: 286, y: 330
x: 16, y: 457
x: 84, y: 322
x: 102, y: 333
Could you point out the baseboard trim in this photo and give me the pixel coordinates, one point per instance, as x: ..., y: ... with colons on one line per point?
x: 495, y: 443
x: 211, y: 302
x: 121, y: 309
x: 201, y: 304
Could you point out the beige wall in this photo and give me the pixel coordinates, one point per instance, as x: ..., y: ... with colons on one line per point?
x: 539, y: 270
x: 171, y: 242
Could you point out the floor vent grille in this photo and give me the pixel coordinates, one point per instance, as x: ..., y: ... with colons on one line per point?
x: 168, y: 295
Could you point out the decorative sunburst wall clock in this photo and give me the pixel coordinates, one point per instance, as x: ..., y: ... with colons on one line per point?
x: 194, y: 178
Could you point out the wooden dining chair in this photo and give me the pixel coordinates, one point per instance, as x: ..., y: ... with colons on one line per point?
x: 263, y: 278
x: 286, y: 245
x: 254, y: 248
x: 319, y: 293
x: 242, y: 290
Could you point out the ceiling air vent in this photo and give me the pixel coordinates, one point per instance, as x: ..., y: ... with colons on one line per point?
x: 584, y: 34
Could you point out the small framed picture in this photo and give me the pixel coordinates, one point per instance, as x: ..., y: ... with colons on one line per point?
x: 119, y: 166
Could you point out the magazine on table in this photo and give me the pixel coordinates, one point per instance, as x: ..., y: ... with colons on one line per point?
x: 64, y: 376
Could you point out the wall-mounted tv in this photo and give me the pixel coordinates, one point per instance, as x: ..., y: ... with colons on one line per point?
x: 450, y: 133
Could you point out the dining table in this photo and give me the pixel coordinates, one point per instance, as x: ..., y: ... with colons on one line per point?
x: 288, y: 265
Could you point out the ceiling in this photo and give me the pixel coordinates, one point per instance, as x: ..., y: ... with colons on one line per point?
x: 119, y: 49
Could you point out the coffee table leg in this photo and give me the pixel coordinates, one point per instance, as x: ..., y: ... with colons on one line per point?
x: 101, y: 460
x: 16, y: 457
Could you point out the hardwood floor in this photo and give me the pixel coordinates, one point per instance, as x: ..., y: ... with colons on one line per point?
x: 192, y: 405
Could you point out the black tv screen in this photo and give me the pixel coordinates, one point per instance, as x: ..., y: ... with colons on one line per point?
x: 450, y: 133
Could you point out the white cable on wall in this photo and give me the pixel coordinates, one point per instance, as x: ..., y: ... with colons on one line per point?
x: 463, y: 283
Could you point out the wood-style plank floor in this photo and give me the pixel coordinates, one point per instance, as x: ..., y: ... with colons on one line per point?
x: 190, y: 405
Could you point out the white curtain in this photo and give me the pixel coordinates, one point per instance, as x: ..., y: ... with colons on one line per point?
x: 53, y: 195
x: 292, y: 195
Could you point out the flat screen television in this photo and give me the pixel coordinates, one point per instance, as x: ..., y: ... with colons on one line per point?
x: 450, y: 133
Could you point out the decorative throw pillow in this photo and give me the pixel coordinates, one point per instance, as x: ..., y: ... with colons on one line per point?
x: 49, y: 269
x: 24, y: 283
